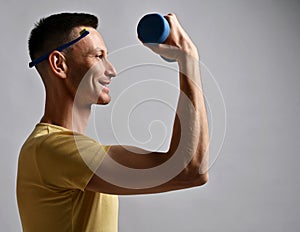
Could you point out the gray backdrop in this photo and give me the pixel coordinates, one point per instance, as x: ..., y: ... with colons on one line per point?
x: 252, y: 50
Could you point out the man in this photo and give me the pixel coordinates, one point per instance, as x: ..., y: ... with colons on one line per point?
x: 62, y: 180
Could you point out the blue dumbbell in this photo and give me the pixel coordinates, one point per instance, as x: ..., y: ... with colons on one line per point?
x: 153, y: 28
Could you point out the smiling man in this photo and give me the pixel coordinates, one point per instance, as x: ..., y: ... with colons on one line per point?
x: 60, y: 182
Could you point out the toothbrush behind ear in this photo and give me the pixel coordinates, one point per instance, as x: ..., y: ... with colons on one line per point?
x: 83, y: 33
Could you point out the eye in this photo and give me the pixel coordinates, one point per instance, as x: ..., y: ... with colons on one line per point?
x: 100, y: 56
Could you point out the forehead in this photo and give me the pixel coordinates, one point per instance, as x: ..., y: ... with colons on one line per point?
x: 91, y: 43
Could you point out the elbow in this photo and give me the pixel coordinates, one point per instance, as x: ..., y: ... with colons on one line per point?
x: 202, y: 179
x: 198, y: 173
x: 192, y: 178
x: 203, y: 175
x: 198, y: 181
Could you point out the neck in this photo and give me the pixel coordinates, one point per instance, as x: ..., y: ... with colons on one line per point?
x: 65, y: 112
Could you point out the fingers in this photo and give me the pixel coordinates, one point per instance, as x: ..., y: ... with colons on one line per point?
x: 171, y: 15
x: 177, y: 43
x: 171, y: 18
x: 168, y: 51
x: 154, y: 47
x: 175, y: 26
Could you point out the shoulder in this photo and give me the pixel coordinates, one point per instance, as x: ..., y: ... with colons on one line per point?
x: 67, y: 148
x: 68, y: 159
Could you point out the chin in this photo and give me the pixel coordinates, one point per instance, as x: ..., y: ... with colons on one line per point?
x: 103, y: 101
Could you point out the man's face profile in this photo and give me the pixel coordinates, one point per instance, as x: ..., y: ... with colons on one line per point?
x: 89, y: 72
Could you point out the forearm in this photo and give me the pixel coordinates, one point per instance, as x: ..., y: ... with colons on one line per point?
x: 190, y: 124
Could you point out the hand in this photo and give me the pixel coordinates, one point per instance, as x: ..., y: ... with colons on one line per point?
x: 178, y: 44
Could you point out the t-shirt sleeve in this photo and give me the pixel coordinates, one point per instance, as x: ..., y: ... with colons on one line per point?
x: 67, y: 160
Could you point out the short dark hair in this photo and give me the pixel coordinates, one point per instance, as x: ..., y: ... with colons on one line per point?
x: 55, y: 30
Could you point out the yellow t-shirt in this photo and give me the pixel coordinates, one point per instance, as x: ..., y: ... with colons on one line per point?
x: 55, y: 165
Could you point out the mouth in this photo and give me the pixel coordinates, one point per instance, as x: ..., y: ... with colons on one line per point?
x: 105, y: 85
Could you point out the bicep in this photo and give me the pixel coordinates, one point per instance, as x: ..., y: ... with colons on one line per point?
x: 137, y: 158
x: 128, y: 170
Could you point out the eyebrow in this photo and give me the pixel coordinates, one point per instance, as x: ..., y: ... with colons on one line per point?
x: 96, y: 50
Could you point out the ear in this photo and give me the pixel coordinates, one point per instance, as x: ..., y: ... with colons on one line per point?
x: 58, y: 64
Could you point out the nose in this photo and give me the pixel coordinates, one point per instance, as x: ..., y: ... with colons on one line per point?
x: 110, y: 70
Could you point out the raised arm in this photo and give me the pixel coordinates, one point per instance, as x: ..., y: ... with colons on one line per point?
x: 188, y: 151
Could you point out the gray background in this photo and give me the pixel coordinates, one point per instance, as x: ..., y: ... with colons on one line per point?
x: 253, y: 50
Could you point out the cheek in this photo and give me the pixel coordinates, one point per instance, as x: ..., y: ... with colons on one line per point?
x: 89, y: 85
x: 97, y: 70
x: 85, y: 78
x: 94, y: 75
x: 78, y: 75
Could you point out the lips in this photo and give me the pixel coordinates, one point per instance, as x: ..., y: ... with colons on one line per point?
x: 105, y: 85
